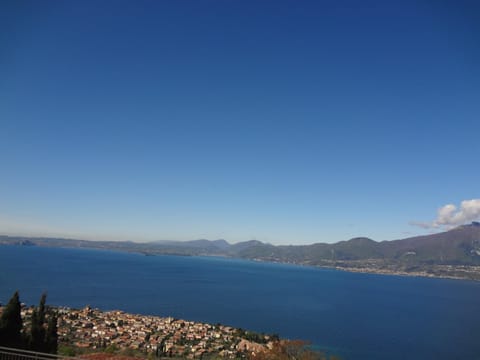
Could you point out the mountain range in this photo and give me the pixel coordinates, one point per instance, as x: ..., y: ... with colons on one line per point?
x: 453, y: 253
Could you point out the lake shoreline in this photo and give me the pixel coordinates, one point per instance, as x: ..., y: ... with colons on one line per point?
x: 332, y: 266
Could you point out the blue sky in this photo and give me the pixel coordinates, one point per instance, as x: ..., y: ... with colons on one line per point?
x: 283, y: 121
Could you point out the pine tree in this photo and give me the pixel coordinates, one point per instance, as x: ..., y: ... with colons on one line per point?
x: 41, y: 309
x: 42, y: 337
x: 11, y: 324
x: 36, y: 342
x: 51, y: 338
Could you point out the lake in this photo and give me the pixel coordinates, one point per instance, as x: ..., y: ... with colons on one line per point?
x: 357, y: 316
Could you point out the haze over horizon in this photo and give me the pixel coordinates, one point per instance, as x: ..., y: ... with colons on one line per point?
x: 285, y: 122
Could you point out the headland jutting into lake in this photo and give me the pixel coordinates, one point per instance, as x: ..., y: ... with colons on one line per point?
x: 84, y: 332
x: 93, y: 330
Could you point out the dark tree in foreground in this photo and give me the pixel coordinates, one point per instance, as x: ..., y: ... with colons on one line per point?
x: 51, y: 338
x: 41, y: 338
x: 36, y: 341
x: 11, y: 324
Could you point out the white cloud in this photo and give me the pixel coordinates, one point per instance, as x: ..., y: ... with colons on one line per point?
x: 449, y: 216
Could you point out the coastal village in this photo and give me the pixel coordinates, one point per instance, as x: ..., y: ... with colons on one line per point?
x: 93, y: 329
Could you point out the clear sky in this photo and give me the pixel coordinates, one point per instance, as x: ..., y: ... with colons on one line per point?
x: 283, y: 121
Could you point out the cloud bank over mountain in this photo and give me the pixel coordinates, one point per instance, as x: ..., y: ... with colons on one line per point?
x: 450, y: 215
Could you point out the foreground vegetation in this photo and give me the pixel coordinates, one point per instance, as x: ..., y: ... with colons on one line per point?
x: 40, y: 334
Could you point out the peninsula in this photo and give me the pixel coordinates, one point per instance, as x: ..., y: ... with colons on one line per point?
x: 91, y: 331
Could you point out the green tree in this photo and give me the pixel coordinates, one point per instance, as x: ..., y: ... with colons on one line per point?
x: 111, y: 349
x: 11, y: 324
x: 37, y: 338
x: 51, y: 338
x: 66, y: 351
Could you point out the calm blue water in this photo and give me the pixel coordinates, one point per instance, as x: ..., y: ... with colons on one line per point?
x: 357, y: 316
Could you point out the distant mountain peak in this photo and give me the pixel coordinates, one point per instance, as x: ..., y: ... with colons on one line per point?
x: 222, y: 241
x: 361, y: 239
